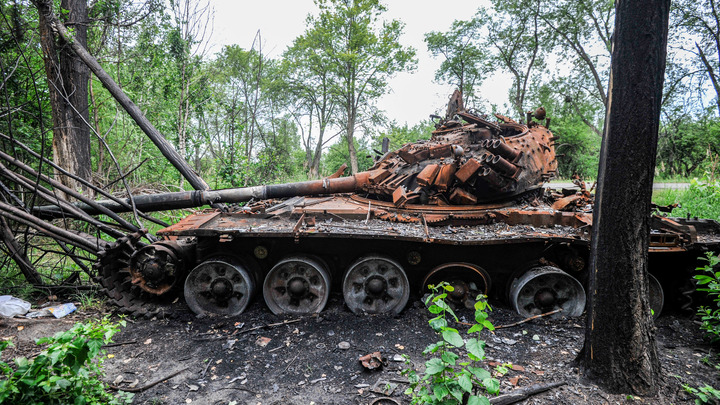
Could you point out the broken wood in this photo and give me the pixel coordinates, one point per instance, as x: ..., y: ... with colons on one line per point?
x: 270, y: 325
x: 148, y: 386
x: 523, y: 393
x: 529, y: 319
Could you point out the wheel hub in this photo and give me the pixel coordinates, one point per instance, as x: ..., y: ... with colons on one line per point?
x: 222, y: 289
x: 545, y: 298
x: 375, y: 286
x: 296, y: 287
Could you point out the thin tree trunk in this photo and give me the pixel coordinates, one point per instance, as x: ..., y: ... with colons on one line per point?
x: 350, y: 137
x: 620, y: 352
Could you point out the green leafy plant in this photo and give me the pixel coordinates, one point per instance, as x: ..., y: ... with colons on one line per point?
x: 452, y: 378
x: 708, y: 281
x: 703, y: 395
x: 68, y: 371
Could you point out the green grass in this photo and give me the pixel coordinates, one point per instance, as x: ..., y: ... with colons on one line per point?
x: 701, y: 199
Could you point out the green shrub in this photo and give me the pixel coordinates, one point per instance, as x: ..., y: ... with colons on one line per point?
x: 708, y: 281
x: 68, y: 371
x: 448, y: 378
x: 701, y: 199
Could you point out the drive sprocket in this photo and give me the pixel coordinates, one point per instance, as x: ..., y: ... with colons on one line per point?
x: 113, y: 269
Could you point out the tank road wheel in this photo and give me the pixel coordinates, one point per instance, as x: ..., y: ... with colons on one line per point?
x: 545, y: 289
x: 467, y: 280
x: 221, y: 286
x: 657, y: 297
x: 297, y: 285
x: 376, y: 285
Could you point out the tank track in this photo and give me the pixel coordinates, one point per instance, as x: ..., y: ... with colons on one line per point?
x: 113, y: 272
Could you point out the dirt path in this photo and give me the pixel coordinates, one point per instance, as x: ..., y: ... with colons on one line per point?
x: 314, y: 360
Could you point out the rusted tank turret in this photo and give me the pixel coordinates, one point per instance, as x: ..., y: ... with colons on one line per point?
x: 466, y: 206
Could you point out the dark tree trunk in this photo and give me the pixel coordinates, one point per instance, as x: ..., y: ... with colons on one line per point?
x: 620, y: 352
x: 68, y: 88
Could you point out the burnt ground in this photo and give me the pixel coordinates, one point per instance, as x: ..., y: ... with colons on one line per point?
x: 298, y: 360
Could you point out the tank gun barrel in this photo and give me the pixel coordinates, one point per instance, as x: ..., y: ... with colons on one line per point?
x: 198, y: 198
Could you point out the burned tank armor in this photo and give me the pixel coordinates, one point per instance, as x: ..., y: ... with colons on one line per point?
x: 466, y: 206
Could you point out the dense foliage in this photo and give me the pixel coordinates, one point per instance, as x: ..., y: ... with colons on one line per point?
x: 243, y: 118
x: 67, y: 371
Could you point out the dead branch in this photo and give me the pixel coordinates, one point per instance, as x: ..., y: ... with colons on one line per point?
x: 121, y: 202
x: 16, y: 214
x: 148, y: 386
x: 523, y: 393
x: 529, y: 319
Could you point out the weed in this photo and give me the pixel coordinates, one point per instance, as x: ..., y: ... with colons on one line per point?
x: 90, y: 300
x: 448, y: 378
x: 703, y: 395
x: 67, y: 371
x: 709, y: 281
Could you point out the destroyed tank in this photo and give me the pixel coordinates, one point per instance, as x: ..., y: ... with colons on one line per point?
x: 467, y: 207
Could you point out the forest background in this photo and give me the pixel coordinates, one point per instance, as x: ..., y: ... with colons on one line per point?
x: 242, y: 118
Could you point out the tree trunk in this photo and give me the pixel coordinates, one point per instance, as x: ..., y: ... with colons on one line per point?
x: 350, y: 137
x: 620, y: 352
x: 68, y: 80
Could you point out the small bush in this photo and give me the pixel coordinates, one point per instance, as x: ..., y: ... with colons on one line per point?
x: 701, y: 199
x: 450, y: 378
x: 68, y: 371
x: 708, y: 281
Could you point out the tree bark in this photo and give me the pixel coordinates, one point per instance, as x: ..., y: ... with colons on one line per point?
x: 350, y: 136
x: 620, y: 352
x: 68, y: 80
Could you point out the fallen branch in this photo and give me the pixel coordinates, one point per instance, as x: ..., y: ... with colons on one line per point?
x: 148, y: 386
x: 131, y: 342
x: 529, y: 319
x: 270, y: 325
x: 384, y: 399
x: 523, y: 393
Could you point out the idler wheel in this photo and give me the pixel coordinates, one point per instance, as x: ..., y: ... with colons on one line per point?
x: 376, y: 285
x: 657, y: 297
x: 545, y: 289
x: 297, y: 285
x: 221, y: 286
x: 467, y: 280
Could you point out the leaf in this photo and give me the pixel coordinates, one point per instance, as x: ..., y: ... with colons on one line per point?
x: 453, y: 338
x: 475, y: 328
x: 440, y: 391
x: 492, y: 385
x: 435, y: 309
x: 438, y: 323
x: 465, y: 382
x: 449, y: 358
x: 479, y: 373
x: 63, y: 383
x: 474, y: 400
x: 475, y: 347
x: 434, y: 366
